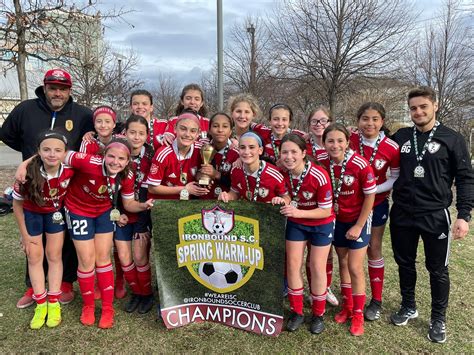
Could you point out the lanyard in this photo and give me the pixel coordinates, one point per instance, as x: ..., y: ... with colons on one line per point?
x: 53, y: 119
x: 337, y: 189
x: 249, y: 195
x: 276, y: 151
x: 376, y: 147
x: 113, y: 192
x: 54, y: 193
x: 419, y: 156
x: 294, y: 191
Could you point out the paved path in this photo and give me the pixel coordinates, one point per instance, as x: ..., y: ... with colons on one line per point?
x: 9, y: 157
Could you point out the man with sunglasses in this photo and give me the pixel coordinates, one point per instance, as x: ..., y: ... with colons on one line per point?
x: 53, y: 108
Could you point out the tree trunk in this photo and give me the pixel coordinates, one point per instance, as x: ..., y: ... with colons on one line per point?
x: 21, y: 55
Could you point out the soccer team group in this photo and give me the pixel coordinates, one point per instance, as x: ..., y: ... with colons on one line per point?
x: 98, y: 185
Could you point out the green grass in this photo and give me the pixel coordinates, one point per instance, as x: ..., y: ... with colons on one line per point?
x: 135, y: 333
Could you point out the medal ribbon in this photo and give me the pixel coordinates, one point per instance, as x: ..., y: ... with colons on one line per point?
x: 419, y: 157
x: 337, y: 189
x: 294, y: 192
x: 276, y: 151
x: 224, y: 157
x: 113, y: 193
x: 376, y: 147
x: 257, y: 182
x: 138, y: 176
x: 55, y: 198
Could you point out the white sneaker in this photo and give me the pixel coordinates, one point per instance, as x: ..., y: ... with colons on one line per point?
x: 331, y: 298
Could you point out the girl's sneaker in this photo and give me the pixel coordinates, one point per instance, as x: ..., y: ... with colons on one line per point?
x: 41, y: 311
x: 54, y: 315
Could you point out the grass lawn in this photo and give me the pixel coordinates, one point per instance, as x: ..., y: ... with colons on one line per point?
x: 136, y: 333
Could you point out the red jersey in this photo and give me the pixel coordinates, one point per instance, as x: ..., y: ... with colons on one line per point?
x: 387, y: 156
x: 167, y: 169
x: 204, y: 127
x: 358, y: 181
x: 272, y: 183
x: 88, y: 194
x: 270, y: 145
x: 315, y: 191
x: 224, y: 166
x: 316, y: 151
x: 157, y: 127
x: 140, y: 166
x: 54, y: 189
x: 95, y: 146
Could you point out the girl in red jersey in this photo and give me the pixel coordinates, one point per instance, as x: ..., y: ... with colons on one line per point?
x: 104, y: 123
x: 91, y: 213
x: 243, y: 109
x: 38, y: 209
x: 256, y: 180
x: 280, y: 116
x: 135, y: 227
x: 191, y: 99
x: 354, y: 187
x: 141, y: 104
x: 318, y: 120
x: 220, y: 131
x: 310, y: 218
x: 383, y: 154
x: 174, y: 168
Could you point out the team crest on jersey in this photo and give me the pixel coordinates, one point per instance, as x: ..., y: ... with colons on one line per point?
x: 69, y: 125
x: 153, y: 169
x: 433, y: 147
x: 379, y: 163
x: 307, y: 195
x: 102, y: 189
x: 406, y: 147
x: 64, y: 184
x: 263, y: 192
x: 226, y: 167
x: 348, y: 180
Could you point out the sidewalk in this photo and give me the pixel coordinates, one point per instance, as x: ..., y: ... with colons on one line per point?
x: 9, y: 158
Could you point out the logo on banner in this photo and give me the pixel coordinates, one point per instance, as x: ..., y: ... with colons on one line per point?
x: 220, y: 249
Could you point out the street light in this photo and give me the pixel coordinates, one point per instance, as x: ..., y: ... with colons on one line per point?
x: 120, y: 105
x: 253, y: 62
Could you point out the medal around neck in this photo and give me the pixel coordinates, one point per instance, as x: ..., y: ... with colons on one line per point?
x: 184, y: 195
x: 115, y: 215
x: 207, y: 153
x: 419, y: 172
x: 294, y: 204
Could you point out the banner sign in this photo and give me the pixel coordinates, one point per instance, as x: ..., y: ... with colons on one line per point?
x: 220, y: 262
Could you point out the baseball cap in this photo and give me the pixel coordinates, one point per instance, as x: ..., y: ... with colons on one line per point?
x: 57, y: 76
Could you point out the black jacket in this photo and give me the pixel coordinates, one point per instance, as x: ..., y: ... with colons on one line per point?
x: 445, y: 161
x: 22, y: 126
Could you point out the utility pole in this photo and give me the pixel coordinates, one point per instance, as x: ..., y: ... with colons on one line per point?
x: 220, y: 58
x: 253, y: 61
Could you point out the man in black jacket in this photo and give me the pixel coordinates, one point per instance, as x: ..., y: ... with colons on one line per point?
x: 53, y: 108
x: 432, y: 157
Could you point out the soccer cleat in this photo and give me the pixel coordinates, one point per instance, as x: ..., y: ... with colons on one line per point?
x: 107, y: 317
x: 317, y: 325
x: 133, y: 303
x: 67, y: 295
x: 437, y: 332
x: 41, y: 311
x: 343, y: 316
x: 331, y: 298
x: 372, y: 311
x: 146, y: 304
x: 357, y: 324
x: 88, y: 315
x: 120, y: 290
x: 403, y: 315
x: 26, y: 300
x: 294, y: 322
x: 54, y: 315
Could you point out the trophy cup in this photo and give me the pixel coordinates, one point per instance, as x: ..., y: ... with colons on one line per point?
x: 207, y: 153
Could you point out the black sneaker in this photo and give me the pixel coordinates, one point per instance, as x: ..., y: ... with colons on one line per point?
x: 372, y: 311
x: 146, y: 304
x: 403, y: 315
x: 294, y: 322
x: 317, y: 325
x: 133, y: 303
x: 437, y: 332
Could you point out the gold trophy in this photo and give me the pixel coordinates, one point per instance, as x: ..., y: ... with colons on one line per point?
x: 207, y: 153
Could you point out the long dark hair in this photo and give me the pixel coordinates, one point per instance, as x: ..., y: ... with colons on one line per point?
x: 202, y: 111
x: 33, y: 188
x: 377, y: 107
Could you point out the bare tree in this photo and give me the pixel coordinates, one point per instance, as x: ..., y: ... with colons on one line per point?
x: 443, y: 59
x: 332, y: 42
x: 31, y: 29
x: 165, y: 96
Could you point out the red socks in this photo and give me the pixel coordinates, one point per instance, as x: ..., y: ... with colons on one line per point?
x: 359, y: 302
x: 105, y: 279
x: 40, y: 298
x: 295, y: 296
x: 131, y: 276
x: 346, y: 291
x: 53, y: 297
x: 144, y: 279
x: 376, y: 275
x: 86, y: 285
x: 319, y: 304
x: 329, y: 273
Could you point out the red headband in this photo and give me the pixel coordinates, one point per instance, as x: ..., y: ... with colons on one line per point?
x: 118, y: 145
x: 189, y: 116
x: 104, y: 109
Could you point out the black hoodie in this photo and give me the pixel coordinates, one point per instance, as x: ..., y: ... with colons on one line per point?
x: 22, y: 126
